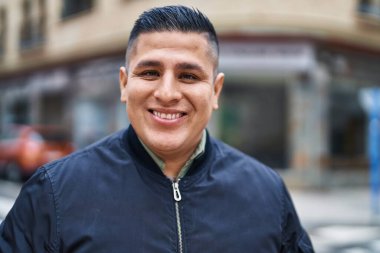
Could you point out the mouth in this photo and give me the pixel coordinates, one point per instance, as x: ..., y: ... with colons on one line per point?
x: 167, y: 115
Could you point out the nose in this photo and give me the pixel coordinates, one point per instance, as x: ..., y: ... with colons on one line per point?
x: 168, y: 91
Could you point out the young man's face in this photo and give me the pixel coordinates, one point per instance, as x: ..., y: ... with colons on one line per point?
x: 170, y: 90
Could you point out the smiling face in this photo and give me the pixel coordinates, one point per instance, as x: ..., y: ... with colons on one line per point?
x: 170, y: 90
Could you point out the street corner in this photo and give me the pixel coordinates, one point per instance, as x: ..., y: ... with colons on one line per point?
x: 346, y: 238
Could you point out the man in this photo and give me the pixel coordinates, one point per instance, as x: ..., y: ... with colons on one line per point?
x: 162, y: 185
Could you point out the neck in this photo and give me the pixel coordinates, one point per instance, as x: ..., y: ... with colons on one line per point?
x: 172, y: 169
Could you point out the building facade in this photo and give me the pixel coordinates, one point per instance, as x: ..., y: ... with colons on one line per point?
x: 293, y: 68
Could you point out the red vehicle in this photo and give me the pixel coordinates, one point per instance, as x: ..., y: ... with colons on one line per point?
x: 25, y: 148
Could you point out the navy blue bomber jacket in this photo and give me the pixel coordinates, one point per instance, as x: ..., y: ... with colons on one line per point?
x: 111, y: 197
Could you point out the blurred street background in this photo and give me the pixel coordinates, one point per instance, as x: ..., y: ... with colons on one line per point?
x: 302, y: 94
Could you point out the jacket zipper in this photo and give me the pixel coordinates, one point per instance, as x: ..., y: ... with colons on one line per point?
x: 177, y: 199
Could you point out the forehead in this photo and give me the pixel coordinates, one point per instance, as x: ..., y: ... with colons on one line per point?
x: 195, y: 44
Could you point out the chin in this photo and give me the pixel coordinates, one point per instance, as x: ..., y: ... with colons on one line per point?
x: 165, y: 141
x: 167, y: 145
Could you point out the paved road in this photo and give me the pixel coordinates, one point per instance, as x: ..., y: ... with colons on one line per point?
x: 8, y: 193
x: 338, y: 220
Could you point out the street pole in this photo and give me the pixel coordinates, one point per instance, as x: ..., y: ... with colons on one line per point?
x: 370, y: 99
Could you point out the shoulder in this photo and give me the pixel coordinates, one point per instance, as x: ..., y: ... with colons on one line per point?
x: 87, y: 161
x: 33, y: 217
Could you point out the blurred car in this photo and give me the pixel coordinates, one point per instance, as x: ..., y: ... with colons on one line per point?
x: 25, y: 148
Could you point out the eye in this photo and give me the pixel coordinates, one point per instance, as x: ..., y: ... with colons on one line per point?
x: 188, y: 77
x: 149, y: 74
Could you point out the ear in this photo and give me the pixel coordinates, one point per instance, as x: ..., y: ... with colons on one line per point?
x: 123, y: 79
x: 218, y: 85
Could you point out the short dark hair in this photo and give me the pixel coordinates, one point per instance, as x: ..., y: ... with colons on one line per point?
x: 175, y: 18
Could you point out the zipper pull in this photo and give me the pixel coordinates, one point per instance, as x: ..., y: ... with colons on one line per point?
x: 176, y: 192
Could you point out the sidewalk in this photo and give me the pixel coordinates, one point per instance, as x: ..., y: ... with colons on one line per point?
x: 8, y: 194
x: 339, y: 220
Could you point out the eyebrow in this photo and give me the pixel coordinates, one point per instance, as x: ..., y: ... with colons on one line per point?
x: 190, y: 66
x: 148, y: 63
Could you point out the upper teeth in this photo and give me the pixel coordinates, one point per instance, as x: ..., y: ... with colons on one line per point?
x: 167, y: 115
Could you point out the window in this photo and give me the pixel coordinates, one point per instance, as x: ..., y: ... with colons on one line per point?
x: 3, y: 28
x: 347, y: 123
x: 41, y: 31
x: 253, y: 125
x: 72, y: 7
x: 33, y: 26
x: 369, y: 8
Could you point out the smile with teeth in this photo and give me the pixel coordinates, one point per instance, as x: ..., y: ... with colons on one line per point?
x: 168, y: 116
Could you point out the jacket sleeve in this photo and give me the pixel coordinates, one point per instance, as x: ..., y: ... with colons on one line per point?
x: 31, y: 224
x: 294, y: 237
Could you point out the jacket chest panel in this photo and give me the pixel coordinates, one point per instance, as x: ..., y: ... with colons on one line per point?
x: 229, y: 224
x: 129, y: 217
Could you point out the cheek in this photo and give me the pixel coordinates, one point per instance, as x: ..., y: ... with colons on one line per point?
x: 204, y: 98
x: 202, y: 103
x: 135, y: 94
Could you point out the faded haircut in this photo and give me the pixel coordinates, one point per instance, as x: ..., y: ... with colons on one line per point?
x: 174, y: 18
